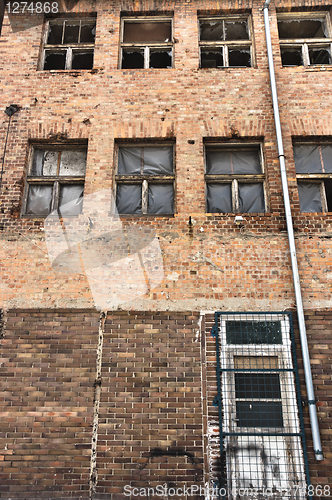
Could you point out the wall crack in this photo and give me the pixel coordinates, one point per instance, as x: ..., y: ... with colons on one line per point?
x: 97, y: 385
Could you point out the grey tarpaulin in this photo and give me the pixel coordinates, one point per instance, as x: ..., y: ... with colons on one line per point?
x: 251, y: 198
x: 309, y: 195
x: 327, y: 157
x: 160, y: 199
x: 71, y: 199
x: 129, y: 198
x: 219, y: 198
x: 156, y: 160
x: 307, y: 159
x: 232, y: 162
x: 39, y: 200
x: 73, y: 162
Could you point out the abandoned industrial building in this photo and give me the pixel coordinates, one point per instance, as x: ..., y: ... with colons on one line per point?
x: 165, y: 244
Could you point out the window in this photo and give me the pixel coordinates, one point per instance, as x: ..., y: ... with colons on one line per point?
x: 225, y: 42
x: 69, y: 44
x: 234, y: 179
x: 260, y: 421
x: 145, y: 180
x: 146, y: 43
x: 55, y: 181
x: 305, y: 39
x: 313, y: 165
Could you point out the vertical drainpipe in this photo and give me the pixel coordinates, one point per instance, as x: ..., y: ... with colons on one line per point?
x: 296, y: 278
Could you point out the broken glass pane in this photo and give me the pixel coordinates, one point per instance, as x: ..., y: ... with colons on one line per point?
x: 147, y: 32
x: 129, y: 198
x: 71, y: 32
x: 82, y: 60
x: 291, y: 56
x: 55, y: 60
x: 132, y: 59
x: 257, y: 386
x: 212, y: 58
x: 259, y: 414
x: 39, y: 200
x: 307, y: 159
x: 233, y: 162
x: 158, y: 160
x: 239, y: 57
x: 160, y: 59
x: 160, y: 199
x: 71, y: 199
x: 130, y: 161
x: 302, y: 28
x: 55, y: 34
x: 236, y: 30
x: 251, y: 198
x: 73, y: 162
x: 309, y: 196
x: 50, y: 164
x: 88, y: 33
x: 320, y: 56
x: 211, y: 30
x: 327, y: 157
x: 219, y: 198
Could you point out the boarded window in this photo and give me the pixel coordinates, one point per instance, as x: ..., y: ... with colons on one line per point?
x: 313, y: 165
x: 304, y: 39
x: 234, y: 180
x: 145, y: 180
x: 55, y: 181
x: 69, y: 44
x: 146, y: 43
x: 225, y: 42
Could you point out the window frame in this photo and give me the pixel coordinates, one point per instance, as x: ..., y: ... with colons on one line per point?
x: 234, y: 179
x: 69, y: 48
x: 167, y: 46
x: 306, y: 43
x: 51, y: 180
x: 315, y: 178
x: 225, y: 44
x: 145, y: 179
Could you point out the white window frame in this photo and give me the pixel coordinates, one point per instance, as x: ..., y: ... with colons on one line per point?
x: 287, y: 465
x: 225, y: 45
x: 50, y: 180
x: 307, y: 43
x: 234, y: 179
x: 70, y: 48
x: 165, y: 46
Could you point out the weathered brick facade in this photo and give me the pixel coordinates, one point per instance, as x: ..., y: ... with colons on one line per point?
x: 144, y: 373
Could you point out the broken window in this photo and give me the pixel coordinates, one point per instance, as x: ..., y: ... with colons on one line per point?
x: 146, y: 43
x: 145, y: 180
x: 234, y: 179
x: 69, y: 44
x: 55, y: 181
x: 225, y: 42
x: 261, y: 429
x: 305, y: 39
x: 313, y: 165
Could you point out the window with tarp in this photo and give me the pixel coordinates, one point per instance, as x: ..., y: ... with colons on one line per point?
x: 234, y: 179
x: 55, y: 181
x: 261, y: 431
x: 145, y: 180
x: 313, y: 165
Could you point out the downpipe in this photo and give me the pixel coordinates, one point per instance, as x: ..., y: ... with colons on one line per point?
x: 296, y: 277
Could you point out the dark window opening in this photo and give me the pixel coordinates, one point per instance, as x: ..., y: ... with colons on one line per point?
x: 302, y: 28
x: 239, y: 57
x: 320, y: 56
x: 55, y: 60
x: 212, y: 58
x: 71, y: 33
x: 291, y: 56
x: 259, y: 414
x: 147, y: 32
x: 253, y: 332
x: 160, y: 59
x: 132, y: 60
x: 82, y: 60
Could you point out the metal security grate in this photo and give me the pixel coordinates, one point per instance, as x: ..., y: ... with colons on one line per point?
x: 262, y: 443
